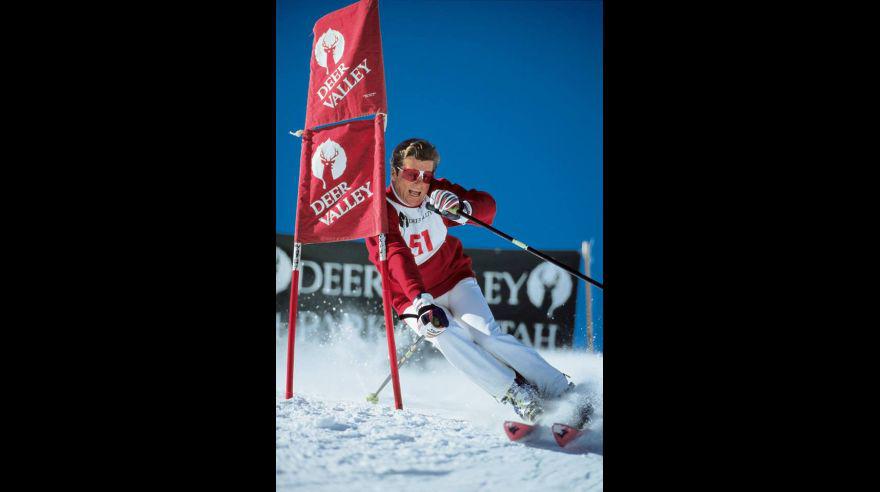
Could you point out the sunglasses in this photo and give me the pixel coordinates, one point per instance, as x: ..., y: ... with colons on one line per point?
x: 413, y: 175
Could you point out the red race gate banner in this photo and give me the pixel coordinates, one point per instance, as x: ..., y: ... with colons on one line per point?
x: 347, y: 77
x: 341, y: 193
x: 342, y: 183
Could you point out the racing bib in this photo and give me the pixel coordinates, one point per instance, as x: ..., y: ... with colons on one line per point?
x: 423, y: 230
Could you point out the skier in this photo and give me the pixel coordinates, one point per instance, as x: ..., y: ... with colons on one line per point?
x: 434, y: 287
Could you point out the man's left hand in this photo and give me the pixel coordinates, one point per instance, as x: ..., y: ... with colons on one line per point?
x: 431, y: 317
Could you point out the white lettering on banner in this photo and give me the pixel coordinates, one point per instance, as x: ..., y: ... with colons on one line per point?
x: 363, y: 65
x: 551, y: 336
x: 492, y: 285
x: 357, y: 75
x: 333, y: 100
x: 318, y: 274
x: 372, y: 281
x: 325, y: 277
x: 338, y: 92
x: 514, y: 287
x: 328, y: 199
x: 330, y: 278
x: 346, y: 205
x: 331, y: 81
x: 521, y: 331
x: 351, y: 284
x: 356, y: 194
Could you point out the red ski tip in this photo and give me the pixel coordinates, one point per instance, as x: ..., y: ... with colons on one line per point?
x: 564, y: 434
x: 517, y: 430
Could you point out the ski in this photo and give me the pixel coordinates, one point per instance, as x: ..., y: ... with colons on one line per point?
x: 520, y: 432
x: 517, y: 430
x: 564, y: 434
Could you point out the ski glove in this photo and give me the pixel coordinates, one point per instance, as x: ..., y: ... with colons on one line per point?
x: 446, y: 203
x: 431, y: 317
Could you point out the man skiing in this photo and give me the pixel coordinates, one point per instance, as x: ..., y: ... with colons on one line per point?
x: 433, y: 285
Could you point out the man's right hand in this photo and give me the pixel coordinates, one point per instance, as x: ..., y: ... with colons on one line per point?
x: 431, y: 317
x: 447, y: 204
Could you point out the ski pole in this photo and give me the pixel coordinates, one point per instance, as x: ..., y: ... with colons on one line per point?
x: 374, y: 397
x: 526, y: 247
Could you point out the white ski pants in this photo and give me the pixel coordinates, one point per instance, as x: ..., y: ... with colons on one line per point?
x: 474, y: 344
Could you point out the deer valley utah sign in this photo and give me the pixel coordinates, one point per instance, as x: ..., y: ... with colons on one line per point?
x: 330, y: 155
x: 338, y: 83
x: 336, y: 294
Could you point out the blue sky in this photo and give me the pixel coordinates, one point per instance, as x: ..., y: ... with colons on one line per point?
x: 510, y: 92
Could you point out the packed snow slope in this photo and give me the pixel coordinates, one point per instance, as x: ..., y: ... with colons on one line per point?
x: 449, y: 435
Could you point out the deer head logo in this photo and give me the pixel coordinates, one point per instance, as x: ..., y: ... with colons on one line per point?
x: 328, y: 155
x: 330, y: 45
x: 548, y: 277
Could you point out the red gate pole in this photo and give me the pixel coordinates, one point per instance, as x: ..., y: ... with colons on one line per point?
x: 302, y: 198
x: 291, y: 323
x: 389, y: 327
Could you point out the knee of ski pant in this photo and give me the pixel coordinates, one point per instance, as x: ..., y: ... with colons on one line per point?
x: 500, y: 340
x: 480, y: 324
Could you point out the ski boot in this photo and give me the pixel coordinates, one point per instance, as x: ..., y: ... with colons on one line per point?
x: 525, y: 401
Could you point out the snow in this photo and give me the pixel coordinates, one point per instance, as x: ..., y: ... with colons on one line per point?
x: 448, y: 436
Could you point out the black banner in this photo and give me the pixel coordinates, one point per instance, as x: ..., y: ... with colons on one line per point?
x: 340, y: 289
